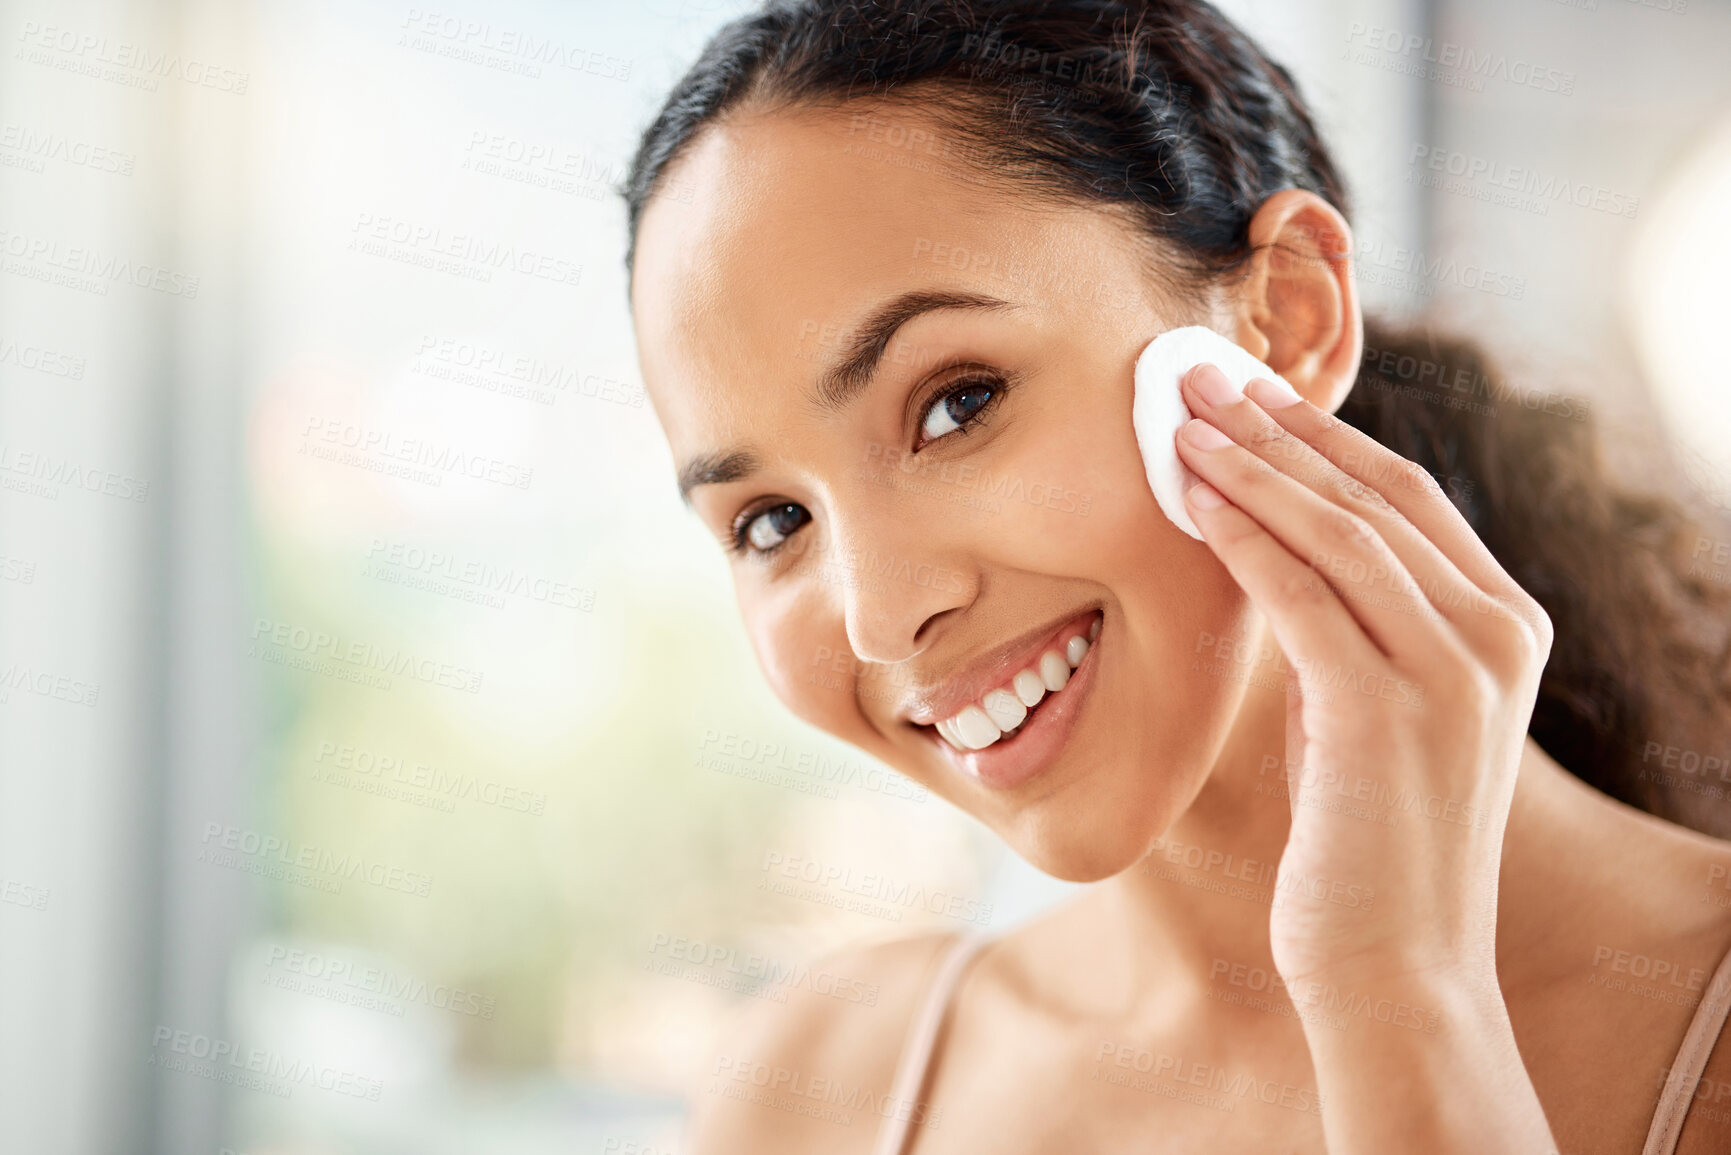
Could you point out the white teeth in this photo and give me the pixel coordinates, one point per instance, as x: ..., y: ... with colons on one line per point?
x: 948, y: 732
x: 1005, y: 711
x: 1029, y: 688
x: 976, y: 729
x: 1002, y: 710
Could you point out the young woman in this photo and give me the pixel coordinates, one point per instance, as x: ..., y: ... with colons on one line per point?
x: 1326, y: 765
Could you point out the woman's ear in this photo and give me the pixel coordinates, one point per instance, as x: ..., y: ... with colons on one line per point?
x: 1297, y: 308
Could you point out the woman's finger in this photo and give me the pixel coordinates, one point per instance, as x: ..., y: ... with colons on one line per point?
x: 1308, y: 621
x: 1385, y: 601
x: 1409, y: 488
x: 1252, y: 425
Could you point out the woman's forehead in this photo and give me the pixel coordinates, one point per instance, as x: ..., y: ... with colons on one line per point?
x: 777, y: 237
x: 783, y: 229
x: 768, y: 206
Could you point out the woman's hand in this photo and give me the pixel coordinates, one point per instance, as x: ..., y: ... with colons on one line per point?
x: 1414, y: 664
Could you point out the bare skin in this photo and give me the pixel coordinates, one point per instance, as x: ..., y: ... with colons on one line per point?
x: 1466, y: 1007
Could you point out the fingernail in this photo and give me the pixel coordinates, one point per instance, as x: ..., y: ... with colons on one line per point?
x: 1204, y: 436
x: 1213, y: 385
x: 1204, y: 496
x: 1271, y: 394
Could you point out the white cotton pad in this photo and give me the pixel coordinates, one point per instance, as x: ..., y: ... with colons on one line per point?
x: 1158, y: 411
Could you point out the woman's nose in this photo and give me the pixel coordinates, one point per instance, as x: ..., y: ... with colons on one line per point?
x: 897, y: 583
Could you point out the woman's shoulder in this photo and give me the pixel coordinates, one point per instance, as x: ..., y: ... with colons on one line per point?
x: 1669, y: 970
x: 814, y: 1073
x: 1617, y: 922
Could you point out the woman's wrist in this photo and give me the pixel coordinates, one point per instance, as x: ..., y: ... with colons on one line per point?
x: 1418, y: 1002
x: 1392, y: 969
x: 1425, y: 1064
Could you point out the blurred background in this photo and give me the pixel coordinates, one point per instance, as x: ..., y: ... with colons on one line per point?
x: 383, y: 767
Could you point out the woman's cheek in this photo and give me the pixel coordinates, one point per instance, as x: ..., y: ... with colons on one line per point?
x: 1096, y: 516
x: 801, y: 646
x: 1175, y: 596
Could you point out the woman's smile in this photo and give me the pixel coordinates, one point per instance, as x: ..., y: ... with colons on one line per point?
x: 1009, y: 714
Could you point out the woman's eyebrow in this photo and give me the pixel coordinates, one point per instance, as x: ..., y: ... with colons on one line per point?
x: 715, y: 469
x: 843, y: 381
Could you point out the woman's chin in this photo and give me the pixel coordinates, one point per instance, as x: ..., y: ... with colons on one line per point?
x: 1074, y: 851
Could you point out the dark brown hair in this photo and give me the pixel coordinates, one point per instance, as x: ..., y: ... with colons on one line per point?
x: 1163, y: 110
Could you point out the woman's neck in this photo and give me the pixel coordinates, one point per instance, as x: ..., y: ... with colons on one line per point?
x: 1194, y: 913
x: 1200, y: 900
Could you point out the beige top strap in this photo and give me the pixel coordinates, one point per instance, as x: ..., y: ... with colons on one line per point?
x: 922, y: 1038
x: 1679, y: 1092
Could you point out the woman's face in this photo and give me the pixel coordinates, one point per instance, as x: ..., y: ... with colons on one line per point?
x: 917, y: 512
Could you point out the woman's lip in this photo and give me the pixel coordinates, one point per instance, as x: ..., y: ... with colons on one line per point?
x: 1009, y: 762
x: 995, y: 671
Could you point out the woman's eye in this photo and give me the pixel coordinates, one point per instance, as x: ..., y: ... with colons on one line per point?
x: 769, y: 528
x: 956, y: 409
